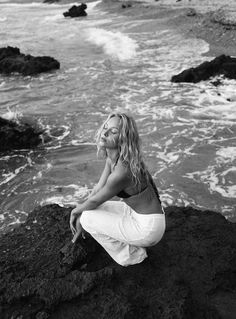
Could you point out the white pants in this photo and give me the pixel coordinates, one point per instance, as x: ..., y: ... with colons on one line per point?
x: 122, y: 232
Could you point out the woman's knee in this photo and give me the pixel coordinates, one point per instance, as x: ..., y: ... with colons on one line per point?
x: 84, y: 220
x: 88, y: 220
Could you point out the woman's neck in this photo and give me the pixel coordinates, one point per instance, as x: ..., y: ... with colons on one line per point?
x: 112, y: 154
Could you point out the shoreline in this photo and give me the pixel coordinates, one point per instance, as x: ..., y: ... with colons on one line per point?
x: 210, y: 20
x: 212, y: 23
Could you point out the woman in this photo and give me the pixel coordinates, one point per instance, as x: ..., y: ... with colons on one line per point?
x: 123, y: 228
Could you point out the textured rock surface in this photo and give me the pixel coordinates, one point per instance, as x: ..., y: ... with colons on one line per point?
x: 18, y: 135
x: 225, y: 17
x: 12, y: 61
x: 222, y: 65
x: 189, y: 274
x: 76, y: 11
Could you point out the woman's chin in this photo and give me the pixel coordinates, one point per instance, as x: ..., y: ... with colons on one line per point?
x: 102, y: 144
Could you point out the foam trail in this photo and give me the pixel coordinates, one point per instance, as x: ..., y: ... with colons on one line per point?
x: 78, y: 193
x: 92, y: 5
x: 115, y: 44
x: 15, y: 4
x: 10, y: 176
x: 12, y: 115
x: 227, y: 154
x: 221, y: 182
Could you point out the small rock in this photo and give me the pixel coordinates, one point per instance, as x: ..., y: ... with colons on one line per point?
x: 216, y: 82
x: 76, y: 11
x: 191, y: 12
x: 124, y: 6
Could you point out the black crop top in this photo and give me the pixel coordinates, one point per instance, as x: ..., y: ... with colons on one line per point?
x: 124, y: 194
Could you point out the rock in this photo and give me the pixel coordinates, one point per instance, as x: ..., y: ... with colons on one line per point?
x: 18, y: 136
x: 43, y: 275
x: 216, y: 82
x: 225, y: 17
x: 221, y: 65
x: 12, y: 61
x: 191, y: 12
x: 76, y: 11
x: 128, y: 5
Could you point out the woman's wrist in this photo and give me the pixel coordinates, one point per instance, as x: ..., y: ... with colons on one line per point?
x: 77, y: 213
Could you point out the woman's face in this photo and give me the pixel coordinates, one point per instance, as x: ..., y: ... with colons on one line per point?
x: 110, y: 133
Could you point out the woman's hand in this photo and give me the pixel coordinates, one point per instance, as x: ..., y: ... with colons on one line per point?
x: 75, y: 213
x: 79, y: 230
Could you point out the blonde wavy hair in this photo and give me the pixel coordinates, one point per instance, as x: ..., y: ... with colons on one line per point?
x: 128, y: 146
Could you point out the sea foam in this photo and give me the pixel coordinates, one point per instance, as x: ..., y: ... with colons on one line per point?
x: 12, y: 115
x: 80, y: 192
x: 115, y: 44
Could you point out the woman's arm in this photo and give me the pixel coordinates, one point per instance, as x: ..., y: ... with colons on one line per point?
x: 116, y: 181
x: 103, y: 178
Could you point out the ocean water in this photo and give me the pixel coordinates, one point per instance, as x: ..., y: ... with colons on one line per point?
x: 111, y: 62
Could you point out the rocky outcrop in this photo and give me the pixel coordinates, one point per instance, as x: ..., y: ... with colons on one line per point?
x: 225, y: 17
x: 12, y: 61
x: 18, y: 135
x: 222, y: 65
x: 189, y: 274
x: 76, y: 11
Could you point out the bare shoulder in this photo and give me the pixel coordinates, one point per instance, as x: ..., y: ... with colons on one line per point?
x: 122, y: 170
x: 108, y: 162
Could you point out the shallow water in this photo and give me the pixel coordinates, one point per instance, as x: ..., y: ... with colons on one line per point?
x: 113, y: 63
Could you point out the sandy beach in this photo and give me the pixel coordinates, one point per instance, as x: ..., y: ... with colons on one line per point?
x: 213, y: 21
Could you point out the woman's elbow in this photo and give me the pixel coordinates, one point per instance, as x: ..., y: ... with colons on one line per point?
x: 93, y: 203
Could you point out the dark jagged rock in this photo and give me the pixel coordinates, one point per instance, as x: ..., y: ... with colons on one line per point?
x: 12, y: 61
x: 189, y: 274
x: 18, y: 135
x: 76, y: 11
x: 221, y: 65
x: 127, y: 5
